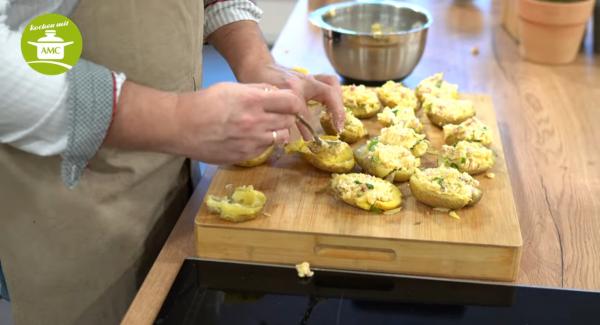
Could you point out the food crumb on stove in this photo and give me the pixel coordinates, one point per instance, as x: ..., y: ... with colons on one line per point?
x: 454, y: 215
x: 475, y: 50
x: 490, y: 175
x: 304, y: 270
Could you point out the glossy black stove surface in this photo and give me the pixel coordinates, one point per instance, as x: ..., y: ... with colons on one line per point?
x: 209, y: 292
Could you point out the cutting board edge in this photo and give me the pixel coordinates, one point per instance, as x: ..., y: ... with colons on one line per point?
x: 227, y: 227
x: 453, y: 260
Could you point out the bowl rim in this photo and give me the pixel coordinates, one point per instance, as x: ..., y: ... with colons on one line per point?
x: 316, y: 17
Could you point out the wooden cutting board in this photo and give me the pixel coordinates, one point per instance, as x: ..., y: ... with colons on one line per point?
x: 303, y: 222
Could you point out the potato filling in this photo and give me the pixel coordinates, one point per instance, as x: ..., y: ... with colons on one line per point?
x: 405, y: 137
x: 360, y: 100
x: 403, y: 116
x: 470, y: 157
x: 470, y: 130
x: 394, y: 94
x: 436, y: 86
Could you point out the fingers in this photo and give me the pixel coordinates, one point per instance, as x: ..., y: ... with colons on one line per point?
x: 306, y: 135
x: 332, y: 81
x: 274, y: 121
x: 332, y: 99
x: 275, y: 137
x: 283, y: 102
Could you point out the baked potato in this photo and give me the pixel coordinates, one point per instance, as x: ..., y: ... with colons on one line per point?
x: 403, y: 116
x: 445, y: 187
x: 436, y: 86
x: 353, y: 130
x: 366, y: 192
x: 386, y: 161
x: 394, y: 94
x: 361, y: 101
x: 469, y: 157
x: 470, y: 130
x: 334, y: 156
x: 398, y: 135
x: 261, y: 159
x: 243, y: 204
x: 442, y: 111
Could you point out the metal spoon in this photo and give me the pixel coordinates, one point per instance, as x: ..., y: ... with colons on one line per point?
x: 317, y: 140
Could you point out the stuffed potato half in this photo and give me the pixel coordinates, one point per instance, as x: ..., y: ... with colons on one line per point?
x: 442, y: 111
x: 366, y: 192
x: 394, y: 94
x: 361, y: 101
x: 470, y: 130
x: 383, y: 160
x: 469, y: 157
x: 445, y: 187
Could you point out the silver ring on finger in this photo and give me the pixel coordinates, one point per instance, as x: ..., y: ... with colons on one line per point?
x: 274, y: 134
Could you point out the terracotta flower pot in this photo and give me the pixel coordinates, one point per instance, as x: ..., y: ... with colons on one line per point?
x: 551, y: 32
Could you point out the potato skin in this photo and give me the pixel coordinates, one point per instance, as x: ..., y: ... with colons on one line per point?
x: 243, y: 204
x: 422, y: 190
x: 362, y: 201
x: 261, y: 159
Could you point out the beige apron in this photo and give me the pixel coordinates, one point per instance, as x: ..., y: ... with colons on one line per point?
x: 78, y: 256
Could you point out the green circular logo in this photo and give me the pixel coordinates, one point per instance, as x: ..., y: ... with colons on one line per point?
x: 51, y: 44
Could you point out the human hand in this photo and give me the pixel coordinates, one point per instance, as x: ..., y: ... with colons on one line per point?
x: 325, y: 89
x: 230, y: 122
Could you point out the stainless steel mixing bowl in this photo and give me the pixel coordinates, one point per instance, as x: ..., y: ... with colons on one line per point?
x: 373, y: 40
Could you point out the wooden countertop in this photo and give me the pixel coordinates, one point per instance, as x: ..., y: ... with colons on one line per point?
x: 546, y: 116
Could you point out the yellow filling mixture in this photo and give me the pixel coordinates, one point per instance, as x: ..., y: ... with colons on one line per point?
x: 333, y: 156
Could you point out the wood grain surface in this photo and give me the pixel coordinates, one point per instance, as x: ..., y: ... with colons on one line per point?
x: 547, y: 116
x: 299, y: 202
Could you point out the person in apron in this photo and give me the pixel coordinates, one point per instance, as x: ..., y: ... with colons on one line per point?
x: 78, y: 256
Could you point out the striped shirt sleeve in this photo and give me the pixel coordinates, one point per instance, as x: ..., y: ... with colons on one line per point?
x: 218, y: 13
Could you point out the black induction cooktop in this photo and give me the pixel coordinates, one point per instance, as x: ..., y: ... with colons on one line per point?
x: 214, y: 292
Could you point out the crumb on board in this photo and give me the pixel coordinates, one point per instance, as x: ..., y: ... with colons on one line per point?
x: 417, y: 223
x: 444, y: 210
x: 266, y: 214
x: 304, y: 270
x: 454, y: 215
x: 475, y: 50
x: 490, y: 175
